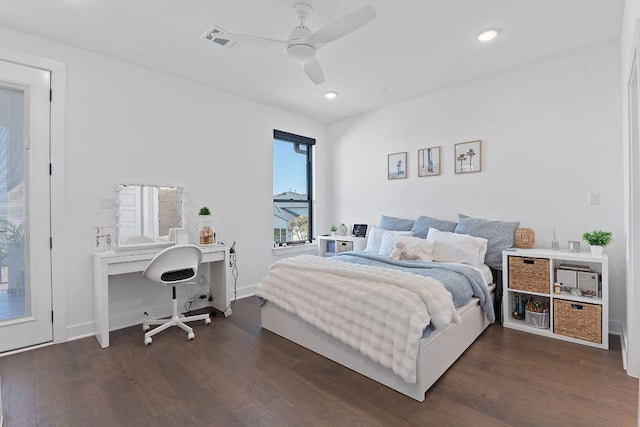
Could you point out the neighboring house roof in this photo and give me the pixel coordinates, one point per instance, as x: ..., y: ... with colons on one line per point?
x: 290, y: 195
x: 286, y: 211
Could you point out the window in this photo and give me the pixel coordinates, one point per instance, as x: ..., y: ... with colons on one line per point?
x: 292, y: 184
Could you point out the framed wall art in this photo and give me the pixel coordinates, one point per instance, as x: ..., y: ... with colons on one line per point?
x: 429, y: 161
x: 397, y: 165
x: 468, y: 156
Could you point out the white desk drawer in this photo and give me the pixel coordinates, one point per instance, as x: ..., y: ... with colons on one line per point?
x: 212, y: 256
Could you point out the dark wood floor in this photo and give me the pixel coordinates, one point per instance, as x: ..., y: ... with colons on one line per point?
x: 235, y: 374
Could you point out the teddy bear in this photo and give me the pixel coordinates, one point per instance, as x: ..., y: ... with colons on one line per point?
x: 401, y: 252
x: 412, y: 248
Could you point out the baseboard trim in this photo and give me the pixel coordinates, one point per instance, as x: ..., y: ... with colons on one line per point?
x: 79, y: 331
x: 616, y: 327
x: 623, y: 345
x: 624, y: 349
x: 132, y: 318
x: 246, y: 291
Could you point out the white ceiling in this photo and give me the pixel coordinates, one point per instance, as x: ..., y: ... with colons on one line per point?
x: 413, y: 47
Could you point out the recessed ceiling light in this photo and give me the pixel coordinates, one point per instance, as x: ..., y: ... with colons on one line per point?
x: 488, y: 35
x: 331, y: 94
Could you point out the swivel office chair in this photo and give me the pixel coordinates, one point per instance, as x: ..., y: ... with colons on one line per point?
x: 174, y: 265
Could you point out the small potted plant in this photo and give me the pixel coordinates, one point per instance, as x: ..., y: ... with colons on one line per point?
x: 206, y: 234
x: 598, y: 239
x: 333, y: 229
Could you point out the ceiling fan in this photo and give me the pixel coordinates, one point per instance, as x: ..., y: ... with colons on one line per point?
x: 303, y: 43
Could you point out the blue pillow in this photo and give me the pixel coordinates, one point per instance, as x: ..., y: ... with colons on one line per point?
x: 421, y: 226
x: 498, y: 233
x: 395, y: 224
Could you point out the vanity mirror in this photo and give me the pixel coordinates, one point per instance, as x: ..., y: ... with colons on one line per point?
x: 145, y: 213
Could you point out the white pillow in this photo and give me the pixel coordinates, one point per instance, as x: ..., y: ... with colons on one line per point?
x: 413, y: 248
x: 388, y: 243
x: 454, y: 247
x: 374, y: 241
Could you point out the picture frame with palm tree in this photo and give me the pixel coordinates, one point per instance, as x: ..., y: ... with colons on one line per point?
x: 397, y: 165
x: 467, y: 156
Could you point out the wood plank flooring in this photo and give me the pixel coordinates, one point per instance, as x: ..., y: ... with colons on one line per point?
x: 236, y: 374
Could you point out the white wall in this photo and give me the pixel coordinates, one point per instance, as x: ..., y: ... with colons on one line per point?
x: 550, y: 134
x: 125, y: 123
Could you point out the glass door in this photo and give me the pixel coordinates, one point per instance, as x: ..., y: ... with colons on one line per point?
x: 25, y: 258
x: 12, y: 205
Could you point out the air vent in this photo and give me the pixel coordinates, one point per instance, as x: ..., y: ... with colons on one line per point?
x: 216, y: 35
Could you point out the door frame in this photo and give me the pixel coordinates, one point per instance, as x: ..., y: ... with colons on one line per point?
x: 57, y: 186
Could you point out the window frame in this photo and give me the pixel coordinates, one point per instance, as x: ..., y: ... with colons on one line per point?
x: 298, y: 140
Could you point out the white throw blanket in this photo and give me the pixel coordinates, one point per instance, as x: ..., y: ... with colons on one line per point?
x: 380, y: 312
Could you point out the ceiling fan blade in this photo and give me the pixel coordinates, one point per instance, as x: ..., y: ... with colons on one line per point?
x: 314, y: 71
x: 343, y: 26
x: 244, y: 38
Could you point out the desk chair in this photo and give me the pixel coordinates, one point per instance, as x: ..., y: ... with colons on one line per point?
x: 174, y: 265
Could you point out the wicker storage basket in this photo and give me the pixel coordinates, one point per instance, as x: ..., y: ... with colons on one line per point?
x: 529, y: 274
x: 344, y: 246
x: 578, y: 320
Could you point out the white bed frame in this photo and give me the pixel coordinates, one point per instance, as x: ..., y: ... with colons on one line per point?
x: 435, y: 355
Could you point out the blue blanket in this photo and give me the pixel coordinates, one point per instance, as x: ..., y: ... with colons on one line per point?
x: 463, y: 282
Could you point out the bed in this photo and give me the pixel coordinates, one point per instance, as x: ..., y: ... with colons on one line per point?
x: 336, y: 326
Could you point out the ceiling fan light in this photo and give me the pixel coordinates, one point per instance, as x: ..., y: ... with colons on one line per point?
x: 488, y: 35
x: 301, y: 52
x: 331, y: 94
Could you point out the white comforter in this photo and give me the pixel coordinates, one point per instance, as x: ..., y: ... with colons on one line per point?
x: 381, y: 312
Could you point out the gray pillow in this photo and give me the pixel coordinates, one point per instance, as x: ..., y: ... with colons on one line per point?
x: 395, y: 224
x: 498, y: 233
x: 421, y: 226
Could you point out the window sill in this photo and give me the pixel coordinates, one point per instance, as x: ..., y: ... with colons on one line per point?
x: 296, y: 249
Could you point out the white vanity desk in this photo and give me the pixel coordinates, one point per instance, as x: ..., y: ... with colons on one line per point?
x: 215, y: 261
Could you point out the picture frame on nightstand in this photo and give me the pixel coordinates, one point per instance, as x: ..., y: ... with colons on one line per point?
x: 359, y: 230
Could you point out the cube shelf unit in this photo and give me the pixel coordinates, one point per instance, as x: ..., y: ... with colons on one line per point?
x: 578, y: 319
x: 330, y: 245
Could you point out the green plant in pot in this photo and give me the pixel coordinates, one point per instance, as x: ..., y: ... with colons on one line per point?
x: 598, y: 239
x: 333, y: 229
x: 206, y: 234
x: 12, y: 251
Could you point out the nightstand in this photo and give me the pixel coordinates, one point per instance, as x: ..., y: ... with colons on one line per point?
x: 331, y: 245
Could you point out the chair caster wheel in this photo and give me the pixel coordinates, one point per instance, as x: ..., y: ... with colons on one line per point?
x: 145, y: 328
x: 207, y: 320
x: 191, y: 336
x: 147, y: 341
